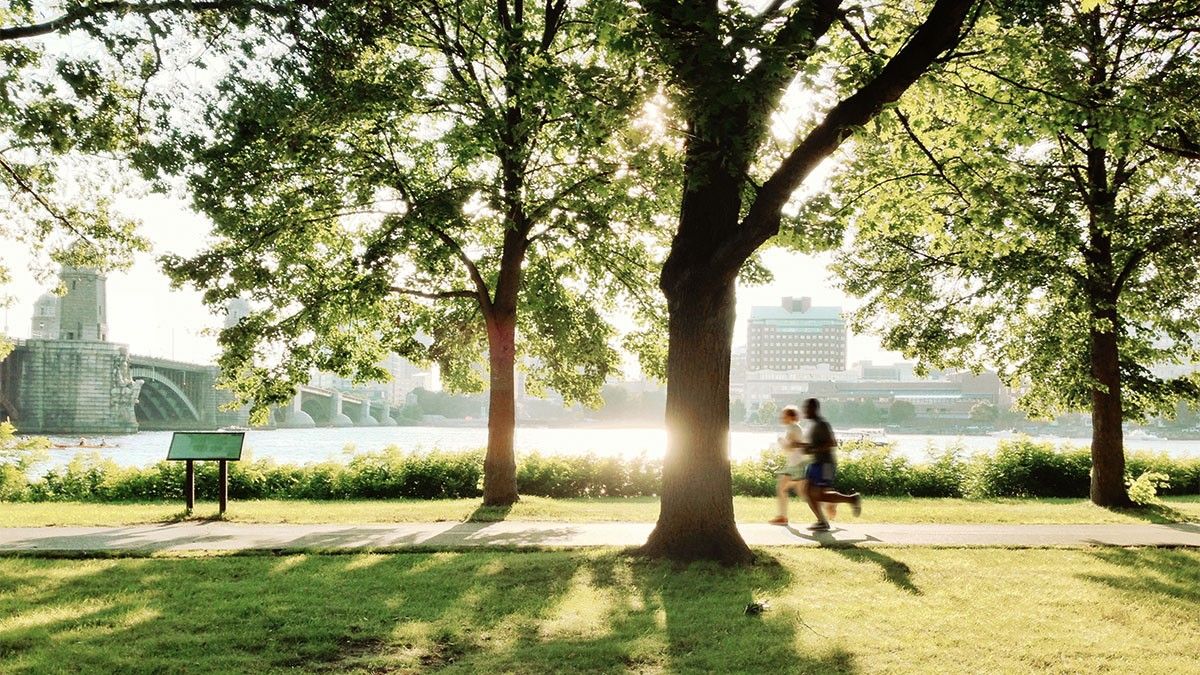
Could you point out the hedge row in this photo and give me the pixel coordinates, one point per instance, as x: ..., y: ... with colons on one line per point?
x: 1019, y: 468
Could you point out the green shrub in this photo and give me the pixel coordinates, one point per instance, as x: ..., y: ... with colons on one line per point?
x: 1182, y: 474
x: 873, y: 470
x: 944, y: 475
x: 756, y: 477
x: 13, y: 484
x: 17, y: 457
x: 1025, y: 468
x: 1144, y: 489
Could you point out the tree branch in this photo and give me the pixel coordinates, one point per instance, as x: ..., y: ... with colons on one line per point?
x: 77, y: 15
x: 938, y: 165
x: 481, y: 287
x: 940, y: 31
x: 440, y: 295
x: 27, y: 188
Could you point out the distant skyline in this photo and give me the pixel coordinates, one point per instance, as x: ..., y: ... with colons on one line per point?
x: 154, y: 320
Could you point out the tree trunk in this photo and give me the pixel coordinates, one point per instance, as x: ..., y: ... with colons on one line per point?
x: 696, y: 517
x: 500, y: 463
x: 1108, y: 443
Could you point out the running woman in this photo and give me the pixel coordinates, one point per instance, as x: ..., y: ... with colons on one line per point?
x: 792, y: 442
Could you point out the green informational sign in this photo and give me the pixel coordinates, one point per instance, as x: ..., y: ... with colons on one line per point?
x: 206, y: 445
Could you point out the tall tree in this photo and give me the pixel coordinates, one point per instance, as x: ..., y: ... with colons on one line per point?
x: 427, y: 167
x: 729, y: 69
x: 1034, y: 206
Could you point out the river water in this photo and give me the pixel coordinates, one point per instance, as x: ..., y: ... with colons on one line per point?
x: 301, y: 446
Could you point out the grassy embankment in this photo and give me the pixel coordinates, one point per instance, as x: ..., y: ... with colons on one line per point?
x: 632, y: 509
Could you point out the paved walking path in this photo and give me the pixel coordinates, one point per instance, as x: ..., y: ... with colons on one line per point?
x: 222, y: 536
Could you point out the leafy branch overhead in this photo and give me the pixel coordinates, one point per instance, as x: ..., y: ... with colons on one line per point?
x: 81, y: 94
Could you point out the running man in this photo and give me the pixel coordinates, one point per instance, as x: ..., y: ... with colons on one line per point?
x: 823, y: 468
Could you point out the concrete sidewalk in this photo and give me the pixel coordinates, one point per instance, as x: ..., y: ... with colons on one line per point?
x: 222, y: 536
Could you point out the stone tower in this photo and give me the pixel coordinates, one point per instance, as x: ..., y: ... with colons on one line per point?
x: 83, y: 311
x: 45, y: 318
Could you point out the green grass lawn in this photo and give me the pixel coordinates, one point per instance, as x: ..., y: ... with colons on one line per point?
x: 748, y: 509
x: 831, y: 610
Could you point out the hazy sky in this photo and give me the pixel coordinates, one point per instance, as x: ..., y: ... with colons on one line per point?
x: 154, y: 320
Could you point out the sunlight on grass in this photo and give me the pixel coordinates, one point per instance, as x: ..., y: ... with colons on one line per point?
x: 632, y: 509
x: 832, y: 610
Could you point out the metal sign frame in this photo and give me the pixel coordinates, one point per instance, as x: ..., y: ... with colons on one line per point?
x: 206, y: 446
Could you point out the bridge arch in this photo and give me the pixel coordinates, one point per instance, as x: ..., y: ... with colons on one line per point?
x: 161, y: 400
x: 316, y: 408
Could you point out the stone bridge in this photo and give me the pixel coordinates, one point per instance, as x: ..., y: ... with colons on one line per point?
x: 317, y: 407
x: 85, y: 387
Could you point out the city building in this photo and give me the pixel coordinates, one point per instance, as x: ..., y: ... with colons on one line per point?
x: 791, y: 386
x: 795, y: 335
x: 940, y: 394
x: 900, y: 372
x: 737, y: 373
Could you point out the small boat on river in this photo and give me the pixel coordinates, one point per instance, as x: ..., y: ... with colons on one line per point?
x: 84, y: 444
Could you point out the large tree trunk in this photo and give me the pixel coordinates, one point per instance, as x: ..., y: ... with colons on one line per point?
x: 500, y: 463
x: 696, y: 515
x: 1108, y: 444
x: 696, y: 518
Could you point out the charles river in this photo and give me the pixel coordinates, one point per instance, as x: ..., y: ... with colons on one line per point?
x: 301, y: 446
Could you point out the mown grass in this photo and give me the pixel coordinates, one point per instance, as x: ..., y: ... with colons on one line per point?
x: 631, y: 509
x: 831, y: 610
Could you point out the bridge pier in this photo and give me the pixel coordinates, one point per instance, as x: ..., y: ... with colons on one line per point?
x: 337, y: 418
x: 69, y: 387
x: 295, y: 417
x: 365, y: 419
x: 385, y: 415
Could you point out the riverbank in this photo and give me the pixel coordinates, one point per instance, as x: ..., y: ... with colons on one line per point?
x: 899, y: 510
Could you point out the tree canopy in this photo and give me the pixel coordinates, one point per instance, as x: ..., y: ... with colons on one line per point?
x: 77, y: 86
x: 1032, y: 205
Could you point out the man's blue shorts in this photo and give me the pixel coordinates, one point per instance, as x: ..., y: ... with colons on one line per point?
x: 821, y: 474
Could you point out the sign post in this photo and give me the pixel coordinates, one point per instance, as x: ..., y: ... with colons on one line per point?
x: 189, y: 485
x: 193, y: 446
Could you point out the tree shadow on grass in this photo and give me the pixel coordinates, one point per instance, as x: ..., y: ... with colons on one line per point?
x: 1153, y: 513
x: 633, y: 614
x: 309, y: 613
x: 1171, y: 574
x: 707, y: 629
x: 489, y: 514
x: 459, y: 612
